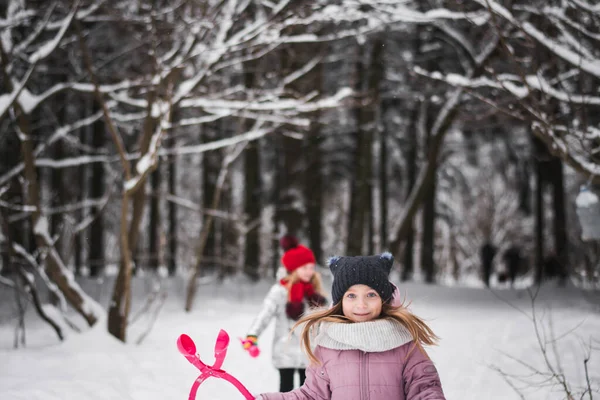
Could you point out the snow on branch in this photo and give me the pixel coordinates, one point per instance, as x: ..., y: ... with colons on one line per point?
x: 16, y: 19
x: 509, y: 83
x: 18, y: 49
x: 384, y: 13
x: 591, y: 66
x: 7, y: 100
x: 587, y: 6
x: 57, y: 135
x: 47, y: 49
x: 218, y: 144
x: 82, y: 14
x: 556, y: 140
x: 274, y: 105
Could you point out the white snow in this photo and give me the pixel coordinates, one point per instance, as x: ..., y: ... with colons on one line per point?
x: 586, y: 198
x: 481, y: 331
x: 41, y: 227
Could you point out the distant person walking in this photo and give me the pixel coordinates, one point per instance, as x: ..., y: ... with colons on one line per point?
x: 487, y: 254
x: 512, y: 261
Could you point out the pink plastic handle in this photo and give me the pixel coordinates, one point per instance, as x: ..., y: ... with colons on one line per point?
x: 231, y: 379
x: 195, y: 386
x: 221, y: 349
x: 187, y: 347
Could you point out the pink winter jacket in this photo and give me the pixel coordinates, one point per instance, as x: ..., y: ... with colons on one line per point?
x: 399, y: 373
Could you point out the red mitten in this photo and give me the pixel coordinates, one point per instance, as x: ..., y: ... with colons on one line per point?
x: 294, y: 309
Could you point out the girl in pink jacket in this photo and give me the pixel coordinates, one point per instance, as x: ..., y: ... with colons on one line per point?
x: 368, y: 346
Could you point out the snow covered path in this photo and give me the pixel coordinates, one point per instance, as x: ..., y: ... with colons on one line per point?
x: 479, y: 331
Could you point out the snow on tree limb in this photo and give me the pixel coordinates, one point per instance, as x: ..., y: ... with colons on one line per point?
x: 510, y: 83
x: 591, y: 66
x: 578, y: 160
x: 587, y: 6
x: 56, y: 135
x: 19, y: 49
x: 7, y: 100
x: 16, y: 19
x: 82, y: 13
x: 218, y: 144
x: 294, y: 105
x: 48, y: 47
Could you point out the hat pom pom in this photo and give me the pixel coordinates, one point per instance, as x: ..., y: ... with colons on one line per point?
x: 332, y: 260
x: 288, y: 242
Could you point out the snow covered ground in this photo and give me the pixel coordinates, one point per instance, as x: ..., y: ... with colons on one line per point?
x: 481, y: 331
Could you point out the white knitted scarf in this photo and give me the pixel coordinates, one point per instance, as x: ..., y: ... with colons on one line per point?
x: 371, y: 336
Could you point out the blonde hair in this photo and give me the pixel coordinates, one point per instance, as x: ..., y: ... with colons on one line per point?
x: 420, y: 331
x: 316, y: 282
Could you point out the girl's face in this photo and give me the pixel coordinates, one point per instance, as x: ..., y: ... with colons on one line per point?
x: 361, y: 303
x: 306, y: 272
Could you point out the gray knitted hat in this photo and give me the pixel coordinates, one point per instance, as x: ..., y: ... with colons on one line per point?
x: 372, y: 271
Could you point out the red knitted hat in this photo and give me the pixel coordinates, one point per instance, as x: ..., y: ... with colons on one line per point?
x: 295, y: 255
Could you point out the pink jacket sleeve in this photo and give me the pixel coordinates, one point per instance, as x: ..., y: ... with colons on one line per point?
x: 421, y: 379
x: 316, y: 386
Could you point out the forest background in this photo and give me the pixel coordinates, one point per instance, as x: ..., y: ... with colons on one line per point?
x: 184, y: 138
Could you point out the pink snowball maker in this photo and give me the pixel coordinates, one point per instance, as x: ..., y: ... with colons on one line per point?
x: 187, y: 347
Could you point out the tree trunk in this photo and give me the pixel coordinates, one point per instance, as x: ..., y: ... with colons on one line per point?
x: 172, y: 237
x: 359, y: 195
x: 252, y: 207
x: 428, y: 237
x: 27, y: 280
x: 539, y: 211
x: 373, y: 108
x: 253, y: 190
x: 138, y: 199
x: 561, y: 242
x: 81, y: 174
x: 154, y: 228
x: 363, y: 164
x: 383, y: 188
x: 96, y: 189
x: 57, y: 195
x: 210, y: 172
x: 55, y: 268
x: 278, y: 162
x: 292, y: 200
x: 411, y: 176
x: 120, y: 303
x: 9, y: 157
x: 313, y: 188
x: 291, y: 216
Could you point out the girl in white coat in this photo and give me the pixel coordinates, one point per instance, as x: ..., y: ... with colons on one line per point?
x: 286, y: 302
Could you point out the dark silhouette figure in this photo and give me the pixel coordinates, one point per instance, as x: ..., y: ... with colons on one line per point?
x: 512, y: 260
x: 554, y: 268
x: 487, y: 253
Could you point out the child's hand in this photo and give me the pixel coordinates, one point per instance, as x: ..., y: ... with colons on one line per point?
x: 250, y: 345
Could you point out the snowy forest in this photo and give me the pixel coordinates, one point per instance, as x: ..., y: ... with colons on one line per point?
x: 154, y: 149
x: 181, y: 139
